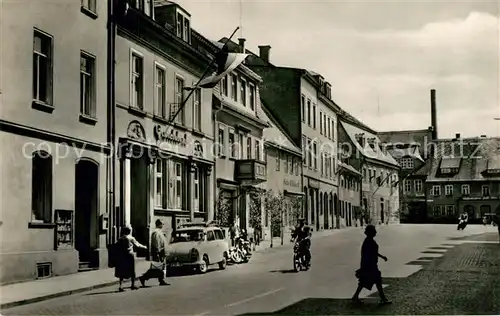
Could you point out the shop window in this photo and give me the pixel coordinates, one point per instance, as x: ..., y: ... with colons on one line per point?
x: 159, y: 183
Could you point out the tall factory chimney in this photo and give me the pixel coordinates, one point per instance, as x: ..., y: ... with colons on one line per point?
x: 434, y: 115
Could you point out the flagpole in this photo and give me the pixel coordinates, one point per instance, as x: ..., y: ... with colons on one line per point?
x: 171, y: 119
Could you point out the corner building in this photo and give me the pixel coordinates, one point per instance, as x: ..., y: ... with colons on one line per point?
x: 165, y: 169
x: 53, y: 127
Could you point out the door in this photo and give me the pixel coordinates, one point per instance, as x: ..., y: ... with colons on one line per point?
x: 382, y: 215
x: 139, y: 213
x: 86, y: 212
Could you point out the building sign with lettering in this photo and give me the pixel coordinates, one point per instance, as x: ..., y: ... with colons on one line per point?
x: 163, y: 134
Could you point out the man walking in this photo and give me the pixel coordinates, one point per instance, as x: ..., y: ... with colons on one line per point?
x: 158, y: 256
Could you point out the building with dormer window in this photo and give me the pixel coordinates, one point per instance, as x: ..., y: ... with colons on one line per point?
x: 164, y: 142
x: 464, y: 176
x: 379, y: 195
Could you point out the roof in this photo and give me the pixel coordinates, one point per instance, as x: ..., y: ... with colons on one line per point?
x: 349, y: 167
x: 276, y: 134
x: 414, y: 137
x: 367, y: 151
x: 398, y: 153
x: 470, y: 155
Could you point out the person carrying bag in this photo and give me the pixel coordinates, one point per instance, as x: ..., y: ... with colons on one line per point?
x: 158, y: 268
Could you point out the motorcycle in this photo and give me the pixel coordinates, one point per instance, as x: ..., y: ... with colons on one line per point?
x: 241, y: 252
x: 235, y: 255
x: 462, y: 224
x: 300, y: 262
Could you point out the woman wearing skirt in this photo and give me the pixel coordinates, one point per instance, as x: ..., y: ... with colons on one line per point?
x: 125, y: 263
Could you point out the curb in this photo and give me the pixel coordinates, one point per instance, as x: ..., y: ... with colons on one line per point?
x: 55, y: 295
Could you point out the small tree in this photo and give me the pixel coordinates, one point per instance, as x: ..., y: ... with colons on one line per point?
x: 255, y: 214
x: 224, y: 215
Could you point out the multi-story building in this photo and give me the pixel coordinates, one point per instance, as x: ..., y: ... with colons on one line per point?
x: 464, y: 176
x: 412, y: 149
x: 379, y: 194
x: 54, y: 122
x: 350, y: 185
x: 240, y: 167
x: 284, y: 176
x: 165, y: 159
x: 300, y: 100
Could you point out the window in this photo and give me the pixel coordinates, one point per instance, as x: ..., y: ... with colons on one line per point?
x: 179, y: 99
x: 329, y: 129
x: 314, y: 116
x: 223, y: 84
x: 407, y: 186
x: 89, y: 5
x: 485, y: 189
x: 436, y: 190
x: 222, y: 147
x: 278, y: 161
x: 87, y: 85
x: 321, y: 164
x: 197, y: 109
x: 232, y: 144
x: 257, y: 150
x: 364, y: 174
x: 325, y: 128
x: 210, y: 235
x: 309, y: 153
x: 137, y: 82
x: 309, y: 112
x: 186, y: 31
x: 178, y: 186
x: 321, y: 123
x: 450, y: 210
x: 159, y: 183
x: 179, y: 25
x: 465, y: 189
x: 243, y: 92
x: 291, y: 165
x: 285, y: 158
x: 448, y: 189
x: 252, y: 96
x: 304, y: 150
x: 303, y: 104
x: 160, y: 92
x: 218, y: 234
x: 234, y: 88
x: 418, y: 186
x: 406, y: 163
x: 315, y: 150
x: 240, y: 144
x: 41, y: 187
x: 437, y: 210
x: 196, y: 195
x: 297, y: 166
x: 249, y: 148
x: 42, y: 67
x: 332, y: 126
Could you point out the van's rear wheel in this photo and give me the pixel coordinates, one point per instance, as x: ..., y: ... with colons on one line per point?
x: 223, y: 263
x: 203, y: 267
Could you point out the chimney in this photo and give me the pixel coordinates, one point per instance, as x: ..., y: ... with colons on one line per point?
x: 242, y: 45
x: 457, y: 136
x: 264, y: 52
x: 433, y: 114
x: 483, y: 136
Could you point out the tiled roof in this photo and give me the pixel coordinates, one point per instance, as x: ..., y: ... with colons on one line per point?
x: 416, y: 137
x: 474, y: 154
x: 349, y: 167
x: 276, y: 134
x: 367, y: 151
x: 398, y: 153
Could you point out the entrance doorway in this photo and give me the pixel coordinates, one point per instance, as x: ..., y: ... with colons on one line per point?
x: 139, y: 213
x: 86, y: 213
x: 382, y: 211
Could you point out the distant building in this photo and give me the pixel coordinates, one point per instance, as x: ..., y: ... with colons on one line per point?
x: 380, y: 194
x: 464, y: 176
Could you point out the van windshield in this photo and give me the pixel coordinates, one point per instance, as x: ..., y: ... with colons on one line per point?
x: 187, y: 235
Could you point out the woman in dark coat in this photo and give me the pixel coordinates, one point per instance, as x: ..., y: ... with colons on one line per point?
x: 125, y: 263
x: 368, y: 273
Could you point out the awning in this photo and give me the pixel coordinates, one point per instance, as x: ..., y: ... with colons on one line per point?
x: 292, y: 193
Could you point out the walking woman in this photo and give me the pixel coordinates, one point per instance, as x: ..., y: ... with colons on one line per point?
x: 368, y: 273
x: 125, y: 263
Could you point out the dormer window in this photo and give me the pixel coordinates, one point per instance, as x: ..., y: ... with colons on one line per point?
x: 449, y: 166
x: 493, y: 166
x: 371, y: 142
x: 328, y: 90
x: 183, y: 27
x: 361, y: 140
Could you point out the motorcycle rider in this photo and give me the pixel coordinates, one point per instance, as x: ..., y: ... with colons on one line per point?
x: 301, y: 235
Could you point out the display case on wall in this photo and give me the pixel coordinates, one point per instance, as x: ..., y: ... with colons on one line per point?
x: 64, y: 231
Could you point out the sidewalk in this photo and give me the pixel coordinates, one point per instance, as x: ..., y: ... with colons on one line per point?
x: 39, y: 290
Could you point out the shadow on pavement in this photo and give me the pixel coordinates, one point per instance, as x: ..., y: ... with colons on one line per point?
x: 491, y: 236
x: 464, y: 281
x: 284, y: 271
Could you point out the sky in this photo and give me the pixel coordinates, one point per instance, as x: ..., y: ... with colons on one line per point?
x: 381, y: 57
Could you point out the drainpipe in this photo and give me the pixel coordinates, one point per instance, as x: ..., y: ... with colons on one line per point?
x: 111, y: 137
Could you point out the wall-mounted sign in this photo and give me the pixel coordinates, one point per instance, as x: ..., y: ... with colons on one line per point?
x: 291, y: 183
x: 166, y: 134
x: 136, y: 131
